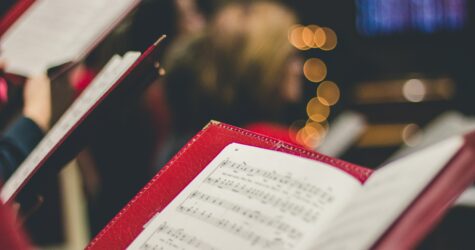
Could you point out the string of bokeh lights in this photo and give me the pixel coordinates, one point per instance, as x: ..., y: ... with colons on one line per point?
x: 312, y: 131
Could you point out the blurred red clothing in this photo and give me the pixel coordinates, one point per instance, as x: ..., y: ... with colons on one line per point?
x: 11, y: 234
x: 273, y: 130
x: 80, y: 78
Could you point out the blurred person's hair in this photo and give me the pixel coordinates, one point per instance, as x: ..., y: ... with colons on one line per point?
x: 234, y: 71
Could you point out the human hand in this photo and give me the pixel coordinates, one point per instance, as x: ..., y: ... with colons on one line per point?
x: 37, y: 101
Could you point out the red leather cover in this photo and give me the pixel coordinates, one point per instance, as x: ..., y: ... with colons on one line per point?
x: 183, y: 168
x: 13, y: 14
x: 437, y: 198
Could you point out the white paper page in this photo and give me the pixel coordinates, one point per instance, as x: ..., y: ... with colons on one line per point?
x: 53, y: 32
x: 250, y: 198
x: 448, y: 124
x: 467, y: 199
x: 346, y: 129
x: 386, y: 194
x: 103, y: 82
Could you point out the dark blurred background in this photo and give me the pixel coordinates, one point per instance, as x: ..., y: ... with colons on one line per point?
x: 383, y: 44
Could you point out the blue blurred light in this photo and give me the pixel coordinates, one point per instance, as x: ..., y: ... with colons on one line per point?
x: 385, y: 17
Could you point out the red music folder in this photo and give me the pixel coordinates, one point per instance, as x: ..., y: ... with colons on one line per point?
x: 121, y: 80
x: 186, y: 206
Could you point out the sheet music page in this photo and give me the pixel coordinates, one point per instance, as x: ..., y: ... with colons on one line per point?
x: 53, y: 32
x: 91, y: 95
x: 447, y: 124
x: 251, y: 198
x: 385, y: 195
x: 346, y: 129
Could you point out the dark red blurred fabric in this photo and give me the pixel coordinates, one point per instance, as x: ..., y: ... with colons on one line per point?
x: 81, y: 78
x: 3, y: 91
x: 11, y: 235
x: 273, y: 130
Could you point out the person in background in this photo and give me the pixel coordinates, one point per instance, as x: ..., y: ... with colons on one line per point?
x: 241, y: 70
x: 24, y: 134
x: 118, y: 161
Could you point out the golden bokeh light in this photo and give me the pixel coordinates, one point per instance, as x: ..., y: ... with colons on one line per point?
x: 326, y: 39
x: 328, y: 93
x: 315, y: 70
x: 320, y: 128
x: 319, y: 37
x: 296, y: 37
x: 295, y: 127
x: 312, y: 134
x: 308, y: 137
x: 317, y: 111
x: 308, y: 35
x: 312, y: 36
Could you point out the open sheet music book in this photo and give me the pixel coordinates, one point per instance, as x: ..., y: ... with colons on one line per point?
x: 121, y: 77
x: 54, y: 32
x: 254, y: 192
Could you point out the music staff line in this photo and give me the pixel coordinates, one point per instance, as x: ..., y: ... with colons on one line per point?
x: 286, y: 206
x: 286, y: 180
x: 247, y: 213
x: 229, y: 226
x: 175, y: 234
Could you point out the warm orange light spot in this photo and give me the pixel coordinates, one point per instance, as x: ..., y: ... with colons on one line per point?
x: 321, y: 128
x: 317, y: 111
x: 295, y: 127
x: 328, y: 93
x: 295, y: 37
x: 319, y: 37
x: 307, y: 37
x: 330, y: 40
x: 312, y: 134
x: 315, y: 70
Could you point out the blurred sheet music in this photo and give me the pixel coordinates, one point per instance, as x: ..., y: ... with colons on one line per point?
x: 447, y: 124
x: 53, y: 32
x: 467, y: 199
x: 385, y: 195
x: 91, y: 95
x: 346, y: 129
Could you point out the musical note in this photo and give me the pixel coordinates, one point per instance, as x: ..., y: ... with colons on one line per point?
x: 305, y: 201
x: 283, y: 181
x: 170, y: 238
x: 238, y: 209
